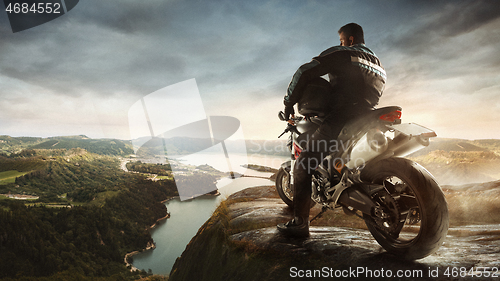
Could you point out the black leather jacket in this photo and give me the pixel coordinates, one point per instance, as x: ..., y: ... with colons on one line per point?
x: 355, y: 72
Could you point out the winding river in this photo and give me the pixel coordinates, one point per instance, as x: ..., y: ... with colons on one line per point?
x: 172, y: 235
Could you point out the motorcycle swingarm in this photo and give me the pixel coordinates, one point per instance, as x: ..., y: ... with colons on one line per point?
x: 355, y: 197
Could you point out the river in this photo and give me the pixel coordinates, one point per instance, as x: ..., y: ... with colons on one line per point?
x: 186, y: 217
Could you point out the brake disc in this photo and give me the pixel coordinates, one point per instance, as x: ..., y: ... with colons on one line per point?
x: 386, y: 215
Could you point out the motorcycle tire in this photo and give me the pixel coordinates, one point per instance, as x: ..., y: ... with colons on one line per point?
x: 283, y: 187
x: 285, y: 190
x: 419, y: 188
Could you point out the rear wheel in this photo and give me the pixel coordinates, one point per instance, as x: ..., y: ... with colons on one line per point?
x: 411, y: 217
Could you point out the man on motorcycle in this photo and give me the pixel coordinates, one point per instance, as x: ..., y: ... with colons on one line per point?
x: 358, y: 79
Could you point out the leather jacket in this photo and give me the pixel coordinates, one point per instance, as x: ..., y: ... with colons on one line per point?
x: 355, y: 73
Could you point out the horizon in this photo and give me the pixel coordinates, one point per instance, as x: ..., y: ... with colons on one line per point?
x: 277, y: 139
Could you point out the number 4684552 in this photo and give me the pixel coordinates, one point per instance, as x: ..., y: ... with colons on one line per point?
x: 36, y: 8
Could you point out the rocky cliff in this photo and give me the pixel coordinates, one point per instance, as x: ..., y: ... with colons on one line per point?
x: 240, y: 242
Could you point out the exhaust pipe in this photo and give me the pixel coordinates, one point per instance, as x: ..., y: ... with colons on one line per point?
x: 371, y: 145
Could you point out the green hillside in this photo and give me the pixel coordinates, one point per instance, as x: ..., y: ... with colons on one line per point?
x: 9, y: 145
x: 15, y: 145
x: 21, y: 163
x: 51, y: 173
x: 85, y: 242
x: 10, y: 176
x: 98, y: 146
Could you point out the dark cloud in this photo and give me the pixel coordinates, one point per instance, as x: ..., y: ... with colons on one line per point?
x: 465, y: 17
x: 446, y: 20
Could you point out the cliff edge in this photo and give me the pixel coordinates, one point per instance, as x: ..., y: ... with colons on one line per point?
x: 240, y: 242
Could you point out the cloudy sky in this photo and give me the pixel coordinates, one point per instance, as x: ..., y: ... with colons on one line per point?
x: 82, y: 72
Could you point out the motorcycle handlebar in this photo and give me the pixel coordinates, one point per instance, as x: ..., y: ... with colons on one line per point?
x: 281, y: 116
x: 290, y: 128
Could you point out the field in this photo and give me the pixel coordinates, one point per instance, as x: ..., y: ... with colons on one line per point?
x: 10, y: 176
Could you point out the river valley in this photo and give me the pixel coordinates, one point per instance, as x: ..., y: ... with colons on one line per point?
x: 172, y: 235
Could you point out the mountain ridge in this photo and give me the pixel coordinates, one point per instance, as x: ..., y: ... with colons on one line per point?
x: 450, y: 160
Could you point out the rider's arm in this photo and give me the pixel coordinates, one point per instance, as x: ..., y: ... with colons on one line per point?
x: 330, y: 61
x: 300, y: 79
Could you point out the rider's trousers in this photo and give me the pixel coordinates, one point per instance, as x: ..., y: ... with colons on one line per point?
x: 321, y: 143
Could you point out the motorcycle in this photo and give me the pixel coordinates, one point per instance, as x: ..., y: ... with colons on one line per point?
x: 400, y: 202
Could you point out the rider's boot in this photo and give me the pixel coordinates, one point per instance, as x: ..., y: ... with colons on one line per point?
x: 303, y: 168
x: 297, y: 227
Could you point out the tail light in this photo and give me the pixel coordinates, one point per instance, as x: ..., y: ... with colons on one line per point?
x: 391, y: 116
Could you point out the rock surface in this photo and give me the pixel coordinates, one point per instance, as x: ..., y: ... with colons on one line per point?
x: 240, y: 242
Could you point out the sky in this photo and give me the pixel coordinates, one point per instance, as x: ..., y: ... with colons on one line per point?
x: 82, y: 72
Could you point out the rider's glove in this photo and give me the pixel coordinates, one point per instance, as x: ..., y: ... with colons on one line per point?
x: 289, y: 111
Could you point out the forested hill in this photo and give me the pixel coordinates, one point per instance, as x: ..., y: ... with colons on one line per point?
x: 81, y: 215
x: 82, y: 242
x: 12, y: 145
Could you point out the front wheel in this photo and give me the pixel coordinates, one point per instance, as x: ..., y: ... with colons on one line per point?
x: 284, y: 187
x: 411, y: 217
